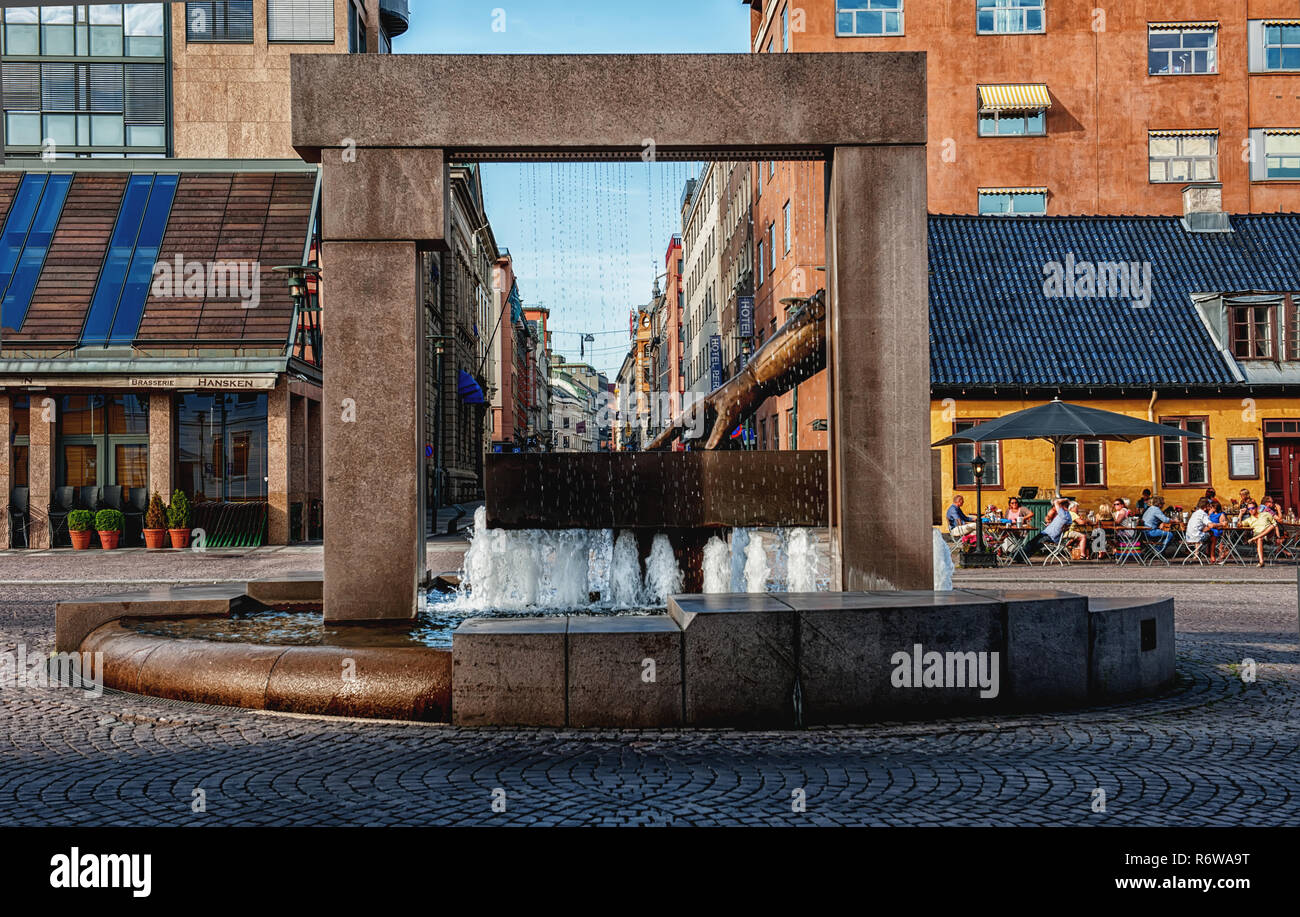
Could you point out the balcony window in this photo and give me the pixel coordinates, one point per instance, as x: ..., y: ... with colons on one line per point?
x: 1009, y: 17
x: 1182, y: 49
x: 1182, y: 156
x: 868, y: 17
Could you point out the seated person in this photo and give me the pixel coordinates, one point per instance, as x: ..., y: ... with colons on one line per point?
x: 1058, y: 518
x: 1121, y: 511
x: 1144, y: 501
x: 959, y: 524
x: 1269, y: 505
x: 1198, y: 527
x: 1105, y: 512
x: 1152, y: 520
x: 1018, y: 515
x: 1218, y: 521
x: 1261, y: 526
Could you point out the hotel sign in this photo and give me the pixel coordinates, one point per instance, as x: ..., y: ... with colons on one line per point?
x: 249, y: 382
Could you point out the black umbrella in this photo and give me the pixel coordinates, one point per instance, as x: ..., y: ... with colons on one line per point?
x: 1058, y: 422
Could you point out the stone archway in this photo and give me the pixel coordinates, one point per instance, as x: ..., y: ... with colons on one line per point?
x: 384, y: 126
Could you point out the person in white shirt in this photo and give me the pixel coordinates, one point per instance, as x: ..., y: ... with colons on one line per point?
x: 1198, y: 531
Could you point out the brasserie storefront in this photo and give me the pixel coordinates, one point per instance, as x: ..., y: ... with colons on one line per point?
x: 111, y: 391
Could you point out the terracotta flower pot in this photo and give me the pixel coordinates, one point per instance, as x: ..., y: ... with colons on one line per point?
x: 155, y: 538
x: 108, y: 540
x: 180, y: 537
x: 80, y: 540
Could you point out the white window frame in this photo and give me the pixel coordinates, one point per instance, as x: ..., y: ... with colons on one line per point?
x: 855, y: 7
x: 1180, y: 156
x: 1259, y: 138
x: 1011, y: 115
x: 1009, y: 6
x: 1213, y: 50
x: 302, y: 16
x: 1012, y: 194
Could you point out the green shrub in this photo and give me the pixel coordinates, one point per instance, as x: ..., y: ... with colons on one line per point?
x: 80, y: 520
x: 156, y: 516
x: 178, y: 514
x: 108, y: 520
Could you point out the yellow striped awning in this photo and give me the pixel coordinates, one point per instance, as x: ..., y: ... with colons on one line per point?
x: 1196, y: 133
x: 1015, y: 97
x: 1178, y: 26
x: 1282, y: 22
x: 1282, y: 131
x: 1013, y: 190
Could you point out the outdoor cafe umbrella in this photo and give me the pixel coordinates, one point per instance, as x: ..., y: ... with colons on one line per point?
x: 1059, y: 422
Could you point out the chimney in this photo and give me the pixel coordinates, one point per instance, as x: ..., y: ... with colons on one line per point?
x: 1203, y: 208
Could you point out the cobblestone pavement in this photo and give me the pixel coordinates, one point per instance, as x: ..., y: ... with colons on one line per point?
x: 1214, y: 751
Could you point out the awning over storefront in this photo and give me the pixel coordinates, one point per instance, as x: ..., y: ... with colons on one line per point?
x: 1015, y: 97
x: 468, y: 388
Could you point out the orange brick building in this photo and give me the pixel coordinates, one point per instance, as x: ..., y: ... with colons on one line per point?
x: 1042, y: 106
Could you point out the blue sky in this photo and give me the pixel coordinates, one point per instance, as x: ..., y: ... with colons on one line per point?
x: 587, y: 238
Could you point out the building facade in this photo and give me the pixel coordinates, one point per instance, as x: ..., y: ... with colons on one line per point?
x: 162, y: 323
x: 702, y: 279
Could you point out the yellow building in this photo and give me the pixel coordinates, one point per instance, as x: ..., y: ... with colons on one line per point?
x: 1153, y: 317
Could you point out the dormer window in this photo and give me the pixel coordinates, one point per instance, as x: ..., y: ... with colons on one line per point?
x: 1263, y: 326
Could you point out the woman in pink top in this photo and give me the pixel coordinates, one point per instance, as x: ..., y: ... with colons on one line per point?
x: 1121, y: 511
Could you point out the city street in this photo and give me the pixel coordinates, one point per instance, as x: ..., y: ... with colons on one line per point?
x: 1214, y: 751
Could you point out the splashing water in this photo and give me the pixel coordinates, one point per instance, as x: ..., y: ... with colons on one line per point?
x: 717, y: 566
x: 739, y: 546
x: 800, y: 563
x: 756, y: 568
x: 663, y: 577
x: 624, y: 573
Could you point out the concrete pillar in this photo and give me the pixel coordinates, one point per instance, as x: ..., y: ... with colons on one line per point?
x: 880, y: 357
x: 372, y: 447
x: 6, y: 467
x: 277, y: 463
x: 298, y: 462
x: 161, y: 420
x: 41, y: 464
x: 379, y: 209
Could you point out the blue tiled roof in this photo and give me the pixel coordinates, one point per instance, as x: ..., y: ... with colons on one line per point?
x: 992, y: 324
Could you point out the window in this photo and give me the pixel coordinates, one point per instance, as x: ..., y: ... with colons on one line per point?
x: 219, y: 20
x: 1003, y: 17
x: 1281, y: 153
x: 785, y: 28
x: 356, y: 29
x: 21, y: 260
x: 785, y: 211
x: 1013, y: 123
x: 964, y: 453
x: 103, y: 440
x: 1278, y: 43
x: 776, y: 431
x: 1293, y: 340
x: 1083, y: 463
x: 761, y: 272
x: 1250, y: 328
x: 1002, y: 201
x: 868, y: 17
x: 792, y: 428
x: 300, y: 20
x: 124, y: 280
x: 20, y: 413
x: 221, y: 446
x: 771, y: 247
x: 85, y: 106
x: 1182, y: 156
x: 1185, y: 462
x: 1188, y: 48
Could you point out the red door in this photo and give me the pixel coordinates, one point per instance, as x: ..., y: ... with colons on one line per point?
x: 1282, y: 472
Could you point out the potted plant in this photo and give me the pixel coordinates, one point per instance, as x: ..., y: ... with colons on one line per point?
x: 155, y: 524
x: 178, y: 520
x: 79, y: 523
x: 108, y: 522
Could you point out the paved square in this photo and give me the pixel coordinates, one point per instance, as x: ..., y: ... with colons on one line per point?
x: 1214, y: 751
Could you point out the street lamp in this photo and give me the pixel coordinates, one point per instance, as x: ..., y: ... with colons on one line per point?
x: 979, y: 557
